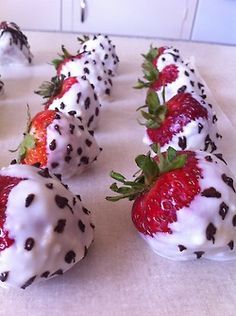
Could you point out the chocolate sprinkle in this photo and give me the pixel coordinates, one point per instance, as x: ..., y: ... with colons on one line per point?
x: 211, y: 193
x: 228, y: 180
x: 87, y: 103
x: 45, y: 274
x: 78, y: 97
x: 70, y: 257
x: 29, y: 282
x: 85, y: 210
x: 199, y: 254
x: 60, y: 226
x: 223, y: 210
x: 210, y: 232
x: 234, y: 220
x: 29, y: 199
x: 220, y: 156
x: 231, y: 244
x: 181, y: 248
x: 81, y: 226
x: 29, y: 244
x: 182, y: 142
x: 4, y: 276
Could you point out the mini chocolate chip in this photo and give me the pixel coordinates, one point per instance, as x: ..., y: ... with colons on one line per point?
x: 72, y: 113
x: 228, y: 180
x: 106, y: 56
x: 182, y: 89
x: 84, y: 77
x: 86, y: 70
x: 181, y: 248
x: 210, y: 232
x: 200, y: 127
x: 87, y: 103
x: 29, y: 199
x: 28, y: 283
x: 45, y: 274
x: 44, y: 173
x: 97, y: 111
x: 92, y: 225
x: 84, y: 160
x: 199, y: 254
x: 78, y: 197
x: 209, y: 158
x: 81, y: 226
x: 62, y: 106
x: 200, y: 85
x: 78, y: 97
x: 79, y: 151
x: 214, y: 119
x: 182, y: 142
x: 13, y: 162
x: 53, y: 145
x: 107, y: 91
x: 74, y: 201
x: 58, y: 175
x: 62, y: 202
x: 49, y: 185
x: 220, y: 156
x: 90, y: 120
x: 69, y: 74
x: 57, y: 128
x: 4, y: 276
x: 234, y: 220
x: 29, y: 243
x: 81, y: 127
x: 58, y: 272
x: 219, y: 136
x: 223, y: 210
x: 70, y: 257
x: 61, y: 223
x: 36, y: 164
x: 72, y: 128
x: 88, y: 142
x: 57, y: 117
x: 211, y: 193
x: 231, y: 244
x: 186, y: 73
x: 54, y: 165
x: 85, y: 210
x: 68, y: 159
x: 69, y: 149
x: 192, y: 83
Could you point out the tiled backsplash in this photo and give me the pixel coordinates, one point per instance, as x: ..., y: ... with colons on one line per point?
x: 202, y: 20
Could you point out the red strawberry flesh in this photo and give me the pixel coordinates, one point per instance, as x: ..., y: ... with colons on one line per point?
x: 154, y: 210
x: 168, y: 75
x: 6, y: 185
x: 181, y: 110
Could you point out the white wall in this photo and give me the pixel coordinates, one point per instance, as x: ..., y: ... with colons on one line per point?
x: 201, y: 20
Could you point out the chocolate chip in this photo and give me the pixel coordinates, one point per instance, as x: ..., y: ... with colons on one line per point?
x: 95, y: 96
x: 228, y: 180
x: 84, y: 160
x: 72, y: 113
x: 79, y: 151
x: 81, y: 226
x: 45, y: 274
x: 199, y: 254
x: 70, y: 257
x: 88, y: 142
x: 231, y: 244
x: 72, y: 128
x: 29, y: 244
x: 220, y: 156
x: 85, y: 210
x: 92, y: 225
x: 192, y: 83
x: 57, y: 117
x: 78, y: 197
x: 58, y: 175
x: 49, y: 185
x: 209, y: 158
x: 61, y: 223
x: 234, y: 220
x: 87, y: 103
x: 81, y: 127
x: 97, y: 111
x: 200, y: 85
x: 28, y: 283
x: 36, y: 164
x: 78, y: 97
x: 214, y: 119
x: 53, y: 145
x: 29, y: 199
x: 90, y: 120
x: 223, y: 210
x: 182, y: 142
x: 58, y: 272
x: 44, y: 173
x: 211, y: 193
x: 4, y: 276
x: 13, y: 162
x: 62, y: 106
x: 208, y: 143
x: 54, y: 165
x: 186, y: 73
x: 99, y: 78
x: 107, y: 91
x: 68, y: 159
x: 200, y: 127
x: 181, y: 248
x: 86, y: 70
x: 182, y: 89
x: 210, y: 232
x: 57, y: 128
x: 61, y: 201
x: 69, y: 149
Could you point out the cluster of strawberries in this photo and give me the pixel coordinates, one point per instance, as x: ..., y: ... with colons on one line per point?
x: 45, y: 229
x: 184, y: 196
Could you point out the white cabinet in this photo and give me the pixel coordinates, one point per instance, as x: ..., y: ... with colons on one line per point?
x: 151, y: 18
x: 215, y: 21
x: 32, y: 15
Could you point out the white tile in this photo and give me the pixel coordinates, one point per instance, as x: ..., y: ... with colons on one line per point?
x: 32, y: 15
x: 216, y: 21
x: 154, y: 18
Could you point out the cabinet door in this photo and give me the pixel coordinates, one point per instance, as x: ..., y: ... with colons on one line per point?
x: 32, y: 15
x: 151, y: 18
x: 215, y: 21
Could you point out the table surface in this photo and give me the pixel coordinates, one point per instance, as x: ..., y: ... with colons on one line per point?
x: 120, y: 275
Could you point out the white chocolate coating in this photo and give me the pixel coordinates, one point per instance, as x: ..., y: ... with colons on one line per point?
x: 57, y: 247
x: 82, y: 100
x: 203, y: 229
x: 75, y: 147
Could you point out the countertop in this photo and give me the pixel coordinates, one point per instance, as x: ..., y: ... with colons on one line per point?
x: 121, y: 275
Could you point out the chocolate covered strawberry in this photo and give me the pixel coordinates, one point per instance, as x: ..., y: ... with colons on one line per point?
x: 58, y: 142
x: 184, y: 205
x: 105, y: 50
x: 14, y: 46
x: 73, y: 96
x: 163, y: 67
x: 86, y: 65
x: 183, y: 122
x: 45, y: 229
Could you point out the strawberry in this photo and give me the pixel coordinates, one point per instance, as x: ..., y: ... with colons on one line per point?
x: 14, y: 46
x: 182, y: 122
x: 105, y: 50
x: 86, y: 65
x: 56, y: 141
x: 184, y: 204
x: 73, y: 96
x: 164, y: 67
x: 45, y: 229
